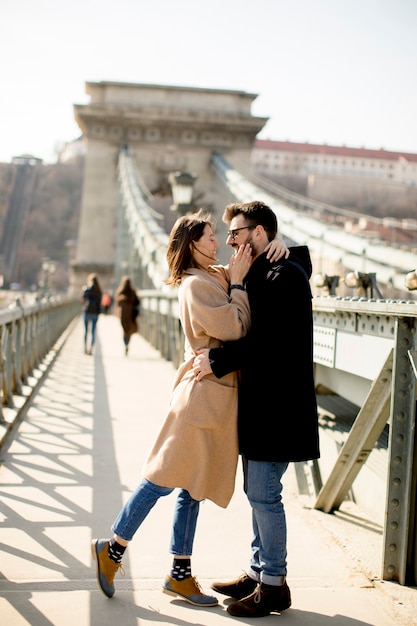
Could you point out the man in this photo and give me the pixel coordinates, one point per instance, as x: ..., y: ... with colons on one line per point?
x: 277, y: 421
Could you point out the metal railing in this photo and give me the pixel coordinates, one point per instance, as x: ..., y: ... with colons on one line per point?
x: 160, y: 324
x: 27, y: 336
x: 391, y: 400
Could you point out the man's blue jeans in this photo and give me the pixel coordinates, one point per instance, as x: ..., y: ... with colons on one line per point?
x: 143, y: 500
x: 263, y: 487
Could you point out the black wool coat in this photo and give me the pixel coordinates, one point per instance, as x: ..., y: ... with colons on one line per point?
x: 277, y: 401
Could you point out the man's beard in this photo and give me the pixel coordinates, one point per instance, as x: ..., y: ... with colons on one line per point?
x: 236, y: 246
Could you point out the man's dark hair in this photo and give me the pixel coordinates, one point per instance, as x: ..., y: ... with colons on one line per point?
x: 256, y: 213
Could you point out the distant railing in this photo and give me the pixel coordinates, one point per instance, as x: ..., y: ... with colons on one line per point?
x: 27, y: 336
x: 145, y: 234
x: 160, y: 324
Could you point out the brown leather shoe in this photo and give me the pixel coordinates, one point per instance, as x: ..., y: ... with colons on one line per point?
x: 106, y: 569
x: 263, y: 601
x: 189, y: 590
x: 238, y: 588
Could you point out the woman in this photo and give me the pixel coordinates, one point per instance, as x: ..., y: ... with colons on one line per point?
x: 127, y: 309
x: 196, y: 449
x: 92, y: 306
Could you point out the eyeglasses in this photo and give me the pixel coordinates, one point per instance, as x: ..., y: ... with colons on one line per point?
x: 234, y: 233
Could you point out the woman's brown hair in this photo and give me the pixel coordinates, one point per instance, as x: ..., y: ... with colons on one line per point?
x: 92, y: 282
x: 186, y: 230
x: 125, y: 286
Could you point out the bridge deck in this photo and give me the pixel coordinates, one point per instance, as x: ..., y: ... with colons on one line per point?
x: 74, y: 460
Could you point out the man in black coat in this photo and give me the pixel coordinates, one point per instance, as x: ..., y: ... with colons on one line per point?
x: 277, y: 421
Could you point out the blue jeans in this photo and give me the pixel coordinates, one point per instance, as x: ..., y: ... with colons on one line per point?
x: 143, y: 500
x: 263, y: 487
x: 90, y: 317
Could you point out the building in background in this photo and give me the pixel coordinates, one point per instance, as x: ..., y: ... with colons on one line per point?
x: 373, y: 182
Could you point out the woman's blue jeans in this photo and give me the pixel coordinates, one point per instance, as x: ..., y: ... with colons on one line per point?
x: 263, y: 487
x: 90, y: 318
x: 143, y: 500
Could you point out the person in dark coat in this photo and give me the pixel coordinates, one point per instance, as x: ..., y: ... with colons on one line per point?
x: 277, y: 415
x: 127, y: 309
x: 91, y: 299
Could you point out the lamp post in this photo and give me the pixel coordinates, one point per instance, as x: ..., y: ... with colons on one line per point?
x: 182, y: 185
x: 363, y: 282
x: 48, y: 268
x: 330, y: 283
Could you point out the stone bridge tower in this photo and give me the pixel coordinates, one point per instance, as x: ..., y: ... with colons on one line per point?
x: 167, y: 129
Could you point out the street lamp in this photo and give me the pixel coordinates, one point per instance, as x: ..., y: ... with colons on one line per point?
x: 48, y: 268
x: 182, y: 185
x: 327, y: 282
x: 363, y: 282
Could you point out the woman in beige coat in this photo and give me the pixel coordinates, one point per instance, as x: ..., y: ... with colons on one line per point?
x: 196, y: 449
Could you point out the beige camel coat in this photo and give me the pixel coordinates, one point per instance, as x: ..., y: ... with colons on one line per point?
x: 197, y: 446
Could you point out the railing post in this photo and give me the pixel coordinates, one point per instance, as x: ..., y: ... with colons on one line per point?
x: 18, y: 356
x: 9, y: 365
x: 399, y: 535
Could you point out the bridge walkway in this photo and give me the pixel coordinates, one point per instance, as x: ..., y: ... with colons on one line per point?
x: 74, y: 460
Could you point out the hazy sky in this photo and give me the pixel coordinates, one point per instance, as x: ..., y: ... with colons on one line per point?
x: 342, y: 72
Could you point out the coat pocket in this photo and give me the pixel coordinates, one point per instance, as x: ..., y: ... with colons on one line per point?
x: 206, y: 403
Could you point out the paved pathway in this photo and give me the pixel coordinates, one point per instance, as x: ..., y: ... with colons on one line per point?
x: 73, y: 462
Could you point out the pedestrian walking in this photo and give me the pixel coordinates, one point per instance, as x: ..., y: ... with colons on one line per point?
x: 127, y: 310
x: 91, y: 298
